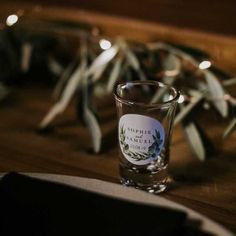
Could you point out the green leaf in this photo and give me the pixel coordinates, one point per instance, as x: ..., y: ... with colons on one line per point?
x: 171, y: 65
x: 67, y: 94
x: 98, y: 73
x: 229, y: 130
x: 216, y: 92
x: 94, y: 129
x: 64, y: 77
x: 132, y: 60
x: 186, y: 110
x: 173, y: 50
x: 27, y: 49
x: 55, y: 67
x: 3, y: 91
x: 100, y: 63
x: 229, y: 82
x: 194, y: 140
x: 114, y: 75
x: 160, y: 93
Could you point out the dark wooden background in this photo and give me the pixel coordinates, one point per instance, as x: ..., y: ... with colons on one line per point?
x: 207, y: 15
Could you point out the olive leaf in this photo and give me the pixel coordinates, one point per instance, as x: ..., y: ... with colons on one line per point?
x: 94, y: 129
x: 27, y: 49
x: 173, y: 50
x: 89, y: 116
x: 134, y: 63
x: 171, y: 65
x: 64, y: 77
x: 114, y: 75
x: 67, y: 94
x: 55, y: 67
x: 132, y: 60
x: 101, y: 61
x: 98, y: 73
x: 216, y: 91
x: 3, y: 91
x: 229, y: 130
x: 229, y: 82
x: 160, y: 93
x: 186, y: 110
x: 194, y: 139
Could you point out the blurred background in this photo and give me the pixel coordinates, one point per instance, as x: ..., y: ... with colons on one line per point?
x: 212, y: 16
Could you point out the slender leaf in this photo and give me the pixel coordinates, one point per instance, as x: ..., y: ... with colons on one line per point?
x: 216, y: 91
x: 114, y: 75
x: 3, y: 91
x: 132, y: 59
x: 186, y: 110
x: 55, y: 66
x: 134, y: 63
x: 64, y: 77
x: 98, y: 73
x: 100, y: 89
x: 229, y: 130
x: 229, y: 82
x: 194, y: 140
x: 68, y: 92
x: 102, y: 60
x: 173, y: 50
x: 171, y: 65
x: 27, y: 49
x: 206, y: 141
x: 89, y: 117
x: 94, y: 129
x: 160, y: 93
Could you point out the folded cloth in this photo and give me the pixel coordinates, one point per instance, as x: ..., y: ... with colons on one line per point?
x: 30, y: 206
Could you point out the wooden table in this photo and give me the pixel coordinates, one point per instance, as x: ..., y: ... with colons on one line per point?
x: 208, y: 187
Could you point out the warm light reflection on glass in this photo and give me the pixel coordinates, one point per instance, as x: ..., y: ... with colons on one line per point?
x: 204, y: 65
x: 181, y: 99
x: 11, y: 20
x: 104, y: 44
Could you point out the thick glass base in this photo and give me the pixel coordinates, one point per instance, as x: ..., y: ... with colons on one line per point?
x: 152, y: 182
x: 156, y: 188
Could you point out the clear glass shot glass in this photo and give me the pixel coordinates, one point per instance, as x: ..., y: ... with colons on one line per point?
x: 146, y: 111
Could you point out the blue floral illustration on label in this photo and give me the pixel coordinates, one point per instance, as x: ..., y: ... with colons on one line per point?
x: 141, y: 138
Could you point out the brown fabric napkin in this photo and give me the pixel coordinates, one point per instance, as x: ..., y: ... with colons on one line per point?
x: 30, y: 206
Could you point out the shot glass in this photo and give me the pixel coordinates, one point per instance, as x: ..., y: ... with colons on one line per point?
x: 146, y: 111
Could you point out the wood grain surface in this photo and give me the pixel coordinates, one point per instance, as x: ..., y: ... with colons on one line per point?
x: 207, y: 187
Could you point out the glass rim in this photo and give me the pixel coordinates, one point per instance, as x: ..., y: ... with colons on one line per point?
x: 147, y: 82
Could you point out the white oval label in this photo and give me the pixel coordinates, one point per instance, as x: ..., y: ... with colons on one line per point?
x: 141, y: 138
